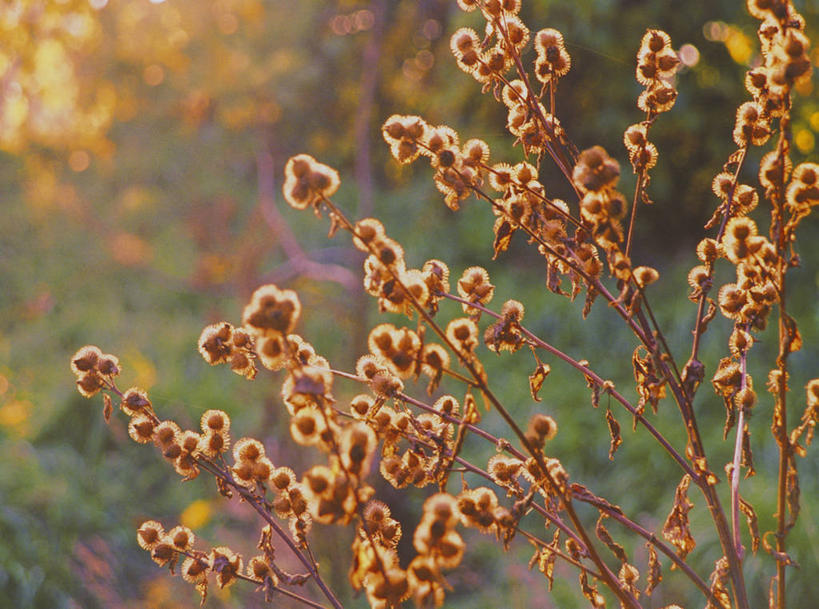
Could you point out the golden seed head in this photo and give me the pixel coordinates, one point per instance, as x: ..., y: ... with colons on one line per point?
x: 141, y: 428
x: 367, y: 231
x: 307, y: 426
x: 248, y: 449
x: 135, y: 400
x: 181, y: 538
x: 85, y: 360
x: 543, y: 425
x: 215, y: 421
x: 812, y: 391
x: 645, y: 275
x: 271, y: 311
x: 463, y: 332
x: 194, y: 570
x: 149, y: 534
x: 166, y: 433
x: 226, y: 564
x: 108, y: 365
x: 90, y: 383
x: 595, y: 170
x: 282, y: 478
x: 709, y: 250
x: 215, y: 343
x: 258, y: 568
x: 307, y: 182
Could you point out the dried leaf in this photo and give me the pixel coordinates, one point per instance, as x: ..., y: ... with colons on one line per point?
x: 471, y: 413
x: 782, y: 557
x: 591, y: 295
x: 778, y: 425
x: 628, y: 577
x: 503, y: 236
x: 792, y: 493
x: 747, y: 456
x: 202, y: 589
x: 655, y: 574
x: 720, y: 598
x: 583, y: 494
x: 805, y: 428
x: 604, y: 536
x: 709, y: 315
x: 753, y: 523
x: 792, y: 339
x: 590, y: 592
x: 676, y: 529
x: 650, y: 384
x: 536, y: 380
x: 554, y: 279
x: 107, y: 407
x: 692, y: 376
x: 614, y: 432
x: 591, y: 384
x: 546, y: 557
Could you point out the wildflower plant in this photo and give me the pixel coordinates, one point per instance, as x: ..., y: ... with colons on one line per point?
x: 420, y: 389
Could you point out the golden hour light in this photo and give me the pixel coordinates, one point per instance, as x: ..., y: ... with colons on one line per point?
x: 383, y: 304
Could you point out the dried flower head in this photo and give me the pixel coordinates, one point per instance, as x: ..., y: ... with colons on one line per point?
x: 195, y: 570
x: 226, y: 564
x: 271, y: 311
x: 135, y: 401
x: 474, y: 286
x: 150, y: 534
x: 404, y: 134
x: 645, y: 275
x: 463, y: 332
x: 308, y: 182
x: 595, y: 170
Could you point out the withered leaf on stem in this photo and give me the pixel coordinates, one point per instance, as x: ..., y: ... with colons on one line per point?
x: 554, y: 279
x: 614, y: 432
x: 536, y: 380
x: 584, y: 494
x: 753, y: 523
x: 720, y: 598
x: 107, y: 407
x: 655, y: 574
x: 806, y: 428
x: 590, y: 591
x: 676, y: 529
x: 792, y: 493
x: 595, y: 388
x: 471, y: 413
x: 604, y: 536
x: 747, y: 456
x: 503, y: 236
x: 545, y: 557
x: 792, y: 339
x: 202, y: 589
x: 782, y: 557
x: 591, y: 295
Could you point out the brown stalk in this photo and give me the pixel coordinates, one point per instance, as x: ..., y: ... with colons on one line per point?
x: 608, y: 577
x: 599, y: 381
x: 277, y: 588
x: 780, y: 405
x: 254, y: 502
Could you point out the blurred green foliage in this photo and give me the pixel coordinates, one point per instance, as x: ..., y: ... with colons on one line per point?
x: 136, y: 233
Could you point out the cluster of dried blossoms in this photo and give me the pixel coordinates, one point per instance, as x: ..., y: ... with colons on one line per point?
x: 418, y: 442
